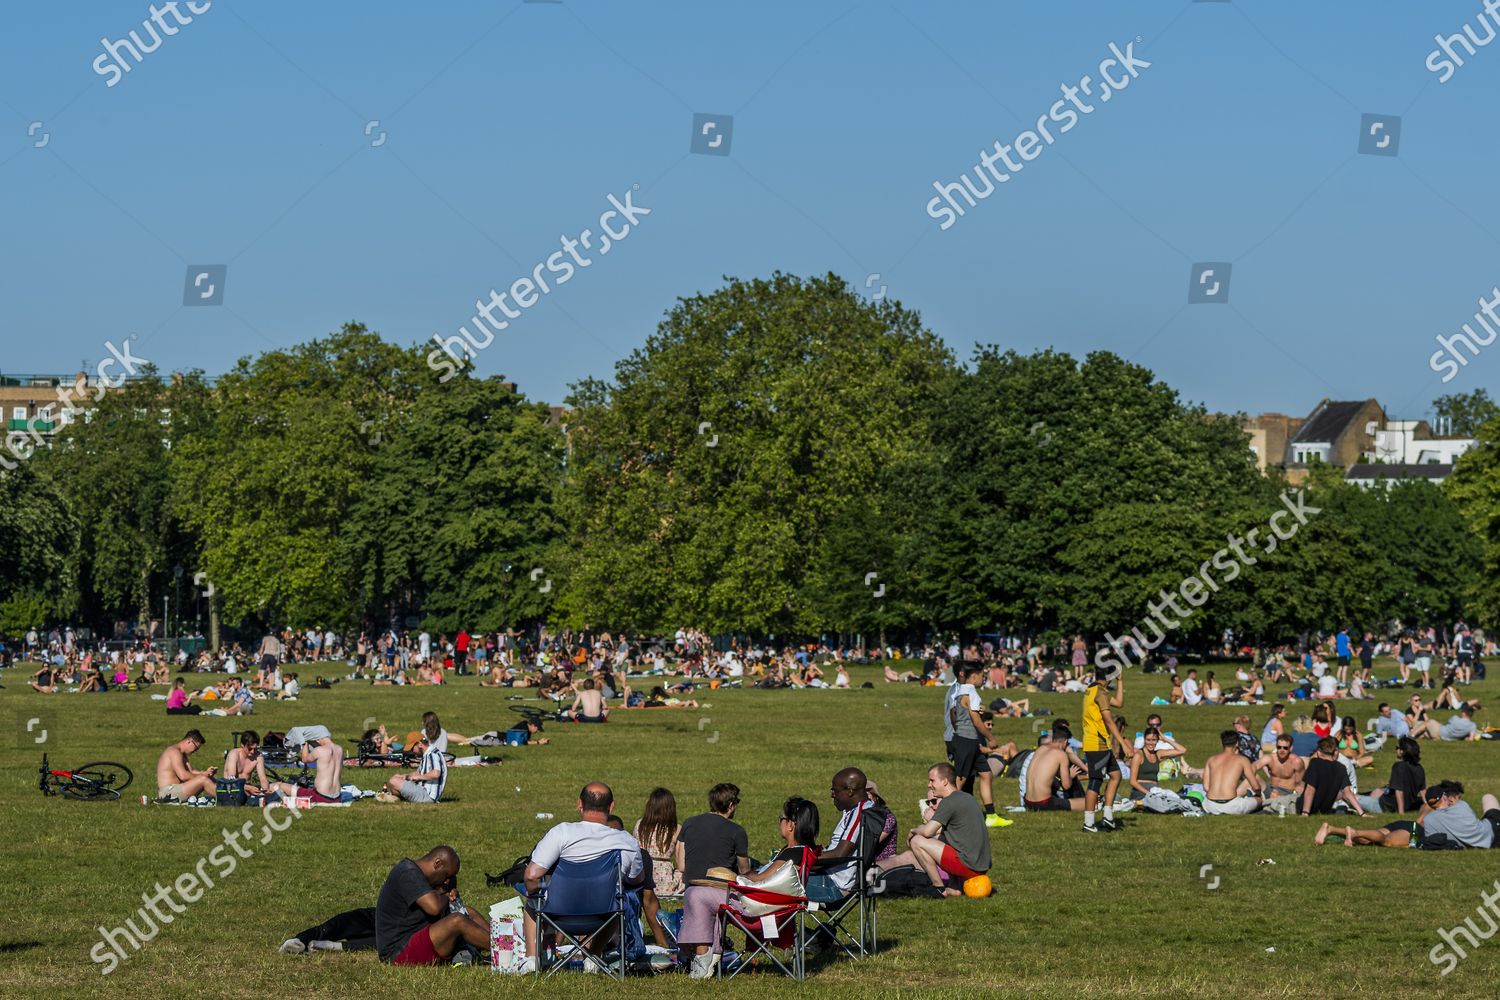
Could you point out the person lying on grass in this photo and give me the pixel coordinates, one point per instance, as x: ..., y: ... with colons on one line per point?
x: 1446, y: 815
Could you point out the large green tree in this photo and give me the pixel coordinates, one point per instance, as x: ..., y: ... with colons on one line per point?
x: 717, y: 479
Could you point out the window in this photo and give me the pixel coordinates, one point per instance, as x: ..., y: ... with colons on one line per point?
x: 18, y: 413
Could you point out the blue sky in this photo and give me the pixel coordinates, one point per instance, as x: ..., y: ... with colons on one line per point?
x: 242, y: 141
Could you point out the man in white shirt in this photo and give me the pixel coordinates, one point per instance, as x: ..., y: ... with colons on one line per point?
x: 1190, y: 693
x: 585, y: 840
x: 1328, y: 686
x: 424, y: 643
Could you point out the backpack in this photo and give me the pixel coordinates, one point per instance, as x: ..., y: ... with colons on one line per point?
x: 907, y: 882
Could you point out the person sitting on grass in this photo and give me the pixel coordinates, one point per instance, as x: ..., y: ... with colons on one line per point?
x: 1445, y: 815
x: 1284, y: 770
x: 245, y: 761
x: 425, y: 785
x: 1352, y: 744
x: 179, y: 697
x: 1051, y: 774
x: 1403, y: 792
x: 176, y: 780
x: 44, y: 681
x: 588, y: 703
x: 657, y: 831
x: 952, y: 838
x: 354, y: 930
x: 317, y: 747
x: 1230, y: 786
x: 416, y: 921
x: 1145, y: 773
x: 1326, y: 782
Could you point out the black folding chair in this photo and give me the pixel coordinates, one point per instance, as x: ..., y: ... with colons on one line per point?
x: 849, y: 922
x: 581, y: 900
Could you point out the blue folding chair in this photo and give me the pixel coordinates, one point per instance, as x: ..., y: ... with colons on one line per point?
x: 580, y: 900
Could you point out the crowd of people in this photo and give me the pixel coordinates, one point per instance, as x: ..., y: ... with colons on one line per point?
x: 702, y: 861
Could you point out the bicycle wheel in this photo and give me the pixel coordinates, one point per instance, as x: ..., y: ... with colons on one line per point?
x: 100, y: 780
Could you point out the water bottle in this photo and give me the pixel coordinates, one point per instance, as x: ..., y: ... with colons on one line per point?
x: 543, y: 815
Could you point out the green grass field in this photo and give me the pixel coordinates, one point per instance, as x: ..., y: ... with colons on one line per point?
x: 1124, y: 914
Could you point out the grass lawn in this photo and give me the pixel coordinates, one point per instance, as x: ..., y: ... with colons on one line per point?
x: 1124, y: 914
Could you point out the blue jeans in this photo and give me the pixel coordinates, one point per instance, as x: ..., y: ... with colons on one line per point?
x: 822, y: 889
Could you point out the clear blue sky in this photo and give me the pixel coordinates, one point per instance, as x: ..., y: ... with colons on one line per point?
x: 241, y: 141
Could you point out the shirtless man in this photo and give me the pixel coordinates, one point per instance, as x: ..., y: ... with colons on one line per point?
x: 245, y: 761
x: 1222, y: 777
x: 1050, y: 773
x: 1284, y: 771
x: 318, y: 748
x: 176, y: 781
x: 588, y: 703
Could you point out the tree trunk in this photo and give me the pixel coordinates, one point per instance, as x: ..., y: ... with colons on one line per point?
x: 213, y: 623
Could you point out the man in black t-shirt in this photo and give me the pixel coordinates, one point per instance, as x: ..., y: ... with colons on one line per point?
x: 709, y: 840
x: 1327, y: 781
x: 412, y: 922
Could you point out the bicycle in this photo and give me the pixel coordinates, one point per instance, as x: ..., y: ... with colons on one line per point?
x: 100, y: 780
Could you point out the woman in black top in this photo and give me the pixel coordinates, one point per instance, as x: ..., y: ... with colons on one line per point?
x: 1403, y: 792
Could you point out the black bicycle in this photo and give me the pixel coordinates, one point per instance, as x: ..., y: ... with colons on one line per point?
x: 91, y: 782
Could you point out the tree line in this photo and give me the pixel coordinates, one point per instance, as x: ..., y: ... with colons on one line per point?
x: 782, y: 456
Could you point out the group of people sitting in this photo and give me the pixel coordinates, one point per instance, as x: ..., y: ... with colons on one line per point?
x: 704, y: 861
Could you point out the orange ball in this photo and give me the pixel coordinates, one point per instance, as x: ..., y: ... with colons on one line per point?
x: 978, y: 887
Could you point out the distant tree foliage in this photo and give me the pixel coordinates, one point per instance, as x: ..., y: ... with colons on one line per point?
x: 782, y: 456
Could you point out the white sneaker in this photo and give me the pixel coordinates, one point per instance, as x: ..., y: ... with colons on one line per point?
x: 528, y: 966
x: 326, y: 946
x: 703, y: 966
x: 292, y: 946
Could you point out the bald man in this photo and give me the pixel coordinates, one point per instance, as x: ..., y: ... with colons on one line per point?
x: 859, y: 818
x: 413, y: 925
x: 589, y: 838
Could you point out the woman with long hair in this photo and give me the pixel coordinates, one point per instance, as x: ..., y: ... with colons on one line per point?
x: 1352, y: 745
x: 1324, y: 719
x: 657, y: 832
x: 1275, y: 725
x: 1403, y: 791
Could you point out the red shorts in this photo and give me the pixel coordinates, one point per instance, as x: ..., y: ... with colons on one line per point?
x: 949, y: 863
x: 313, y: 795
x: 418, y: 950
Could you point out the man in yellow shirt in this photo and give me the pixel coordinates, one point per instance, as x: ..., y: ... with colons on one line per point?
x: 1100, y: 738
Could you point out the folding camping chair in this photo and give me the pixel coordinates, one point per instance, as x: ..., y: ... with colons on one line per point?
x: 580, y: 900
x: 849, y: 922
x: 782, y: 928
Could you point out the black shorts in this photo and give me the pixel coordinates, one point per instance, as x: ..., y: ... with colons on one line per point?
x: 965, y: 756
x: 1101, y: 764
x: 1050, y: 804
x: 1343, y: 661
x: 1493, y: 819
x: 1406, y: 825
